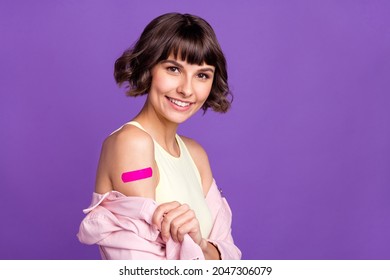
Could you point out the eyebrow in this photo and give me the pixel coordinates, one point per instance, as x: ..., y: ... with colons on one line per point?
x: 174, y: 62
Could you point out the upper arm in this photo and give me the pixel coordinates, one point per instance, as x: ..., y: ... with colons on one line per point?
x: 201, y: 160
x: 128, y: 149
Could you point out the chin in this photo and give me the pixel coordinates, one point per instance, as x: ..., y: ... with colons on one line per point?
x: 179, y: 119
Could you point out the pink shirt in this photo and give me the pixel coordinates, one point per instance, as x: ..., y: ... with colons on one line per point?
x: 121, y: 226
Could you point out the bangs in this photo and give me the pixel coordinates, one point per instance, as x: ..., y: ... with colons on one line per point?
x: 192, y: 46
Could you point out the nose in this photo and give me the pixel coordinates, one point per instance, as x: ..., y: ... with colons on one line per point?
x: 185, y: 87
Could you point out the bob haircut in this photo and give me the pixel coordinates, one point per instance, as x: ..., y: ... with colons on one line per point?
x: 183, y: 35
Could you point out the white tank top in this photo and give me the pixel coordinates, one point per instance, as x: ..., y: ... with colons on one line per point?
x: 180, y: 181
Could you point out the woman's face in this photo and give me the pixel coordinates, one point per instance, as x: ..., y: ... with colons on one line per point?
x: 178, y: 89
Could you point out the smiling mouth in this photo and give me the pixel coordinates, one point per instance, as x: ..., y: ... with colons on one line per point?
x: 179, y: 103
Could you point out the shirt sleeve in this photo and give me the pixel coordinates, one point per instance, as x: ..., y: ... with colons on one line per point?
x: 122, y: 236
x: 118, y: 239
x: 221, y: 233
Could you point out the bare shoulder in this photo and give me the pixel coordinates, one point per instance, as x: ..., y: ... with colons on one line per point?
x: 128, y: 149
x: 128, y: 140
x: 199, y: 155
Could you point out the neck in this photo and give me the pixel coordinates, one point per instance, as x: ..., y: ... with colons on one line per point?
x: 161, y: 130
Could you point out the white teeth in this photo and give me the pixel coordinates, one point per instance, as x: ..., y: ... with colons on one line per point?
x: 179, y: 103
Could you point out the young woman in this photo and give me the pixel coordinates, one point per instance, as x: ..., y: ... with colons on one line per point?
x: 155, y: 196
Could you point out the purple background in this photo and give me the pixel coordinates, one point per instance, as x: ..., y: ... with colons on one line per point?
x: 303, y: 157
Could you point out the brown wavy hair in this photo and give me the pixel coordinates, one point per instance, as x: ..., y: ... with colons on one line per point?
x: 187, y: 36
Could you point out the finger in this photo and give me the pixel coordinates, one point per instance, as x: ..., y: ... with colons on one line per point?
x: 190, y: 225
x: 161, y: 210
x: 181, y: 216
x: 169, y: 219
x: 192, y: 229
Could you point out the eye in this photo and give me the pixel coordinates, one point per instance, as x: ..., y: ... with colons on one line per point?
x: 173, y: 69
x: 203, y: 76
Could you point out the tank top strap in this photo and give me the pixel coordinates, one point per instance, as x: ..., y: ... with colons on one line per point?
x: 182, y: 145
x: 132, y: 123
x: 185, y: 153
x: 137, y: 124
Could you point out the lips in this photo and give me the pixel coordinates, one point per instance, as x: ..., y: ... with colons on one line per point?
x: 179, y: 103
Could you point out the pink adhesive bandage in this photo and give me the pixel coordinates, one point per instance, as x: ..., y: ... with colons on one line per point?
x: 137, y: 175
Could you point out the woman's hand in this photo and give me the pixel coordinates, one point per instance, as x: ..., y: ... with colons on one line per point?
x: 175, y: 220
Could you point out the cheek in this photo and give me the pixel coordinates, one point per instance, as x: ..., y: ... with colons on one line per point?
x: 162, y: 84
x: 204, y: 91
